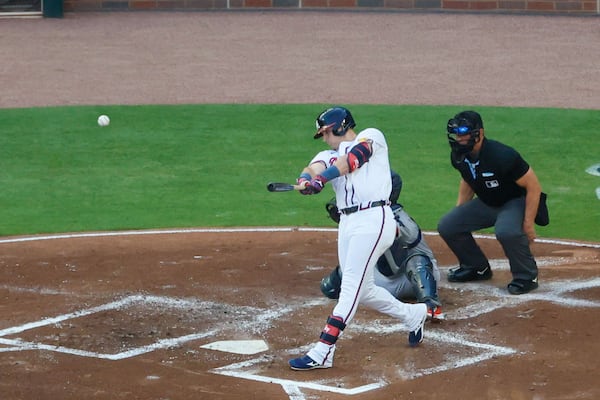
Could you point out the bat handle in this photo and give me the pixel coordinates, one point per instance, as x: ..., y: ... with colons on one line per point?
x: 302, y: 186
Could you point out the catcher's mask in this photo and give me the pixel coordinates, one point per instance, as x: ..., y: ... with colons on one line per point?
x: 338, y: 119
x: 464, y: 123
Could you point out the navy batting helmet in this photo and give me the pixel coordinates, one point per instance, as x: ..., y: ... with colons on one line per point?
x: 338, y: 119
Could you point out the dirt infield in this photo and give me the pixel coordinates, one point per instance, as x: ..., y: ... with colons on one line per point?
x: 138, y: 315
x: 125, y: 317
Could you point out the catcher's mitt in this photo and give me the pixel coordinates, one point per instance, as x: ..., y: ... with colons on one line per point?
x: 333, y: 211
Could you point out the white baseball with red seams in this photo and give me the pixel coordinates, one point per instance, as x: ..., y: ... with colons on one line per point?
x: 103, y: 120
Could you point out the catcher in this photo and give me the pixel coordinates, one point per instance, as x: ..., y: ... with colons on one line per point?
x: 408, y: 269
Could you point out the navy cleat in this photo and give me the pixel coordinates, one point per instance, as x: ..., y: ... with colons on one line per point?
x: 306, y: 363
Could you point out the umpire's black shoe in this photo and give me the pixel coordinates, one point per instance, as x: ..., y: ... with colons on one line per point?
x: 521, y: 286
x: 464, y: 273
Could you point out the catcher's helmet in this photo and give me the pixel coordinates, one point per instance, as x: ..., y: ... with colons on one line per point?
x: 338, y: 119
x: 332, y: 284
x: 464, y: 123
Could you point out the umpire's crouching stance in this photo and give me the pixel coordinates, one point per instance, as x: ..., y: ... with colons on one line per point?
x: 509, y: 198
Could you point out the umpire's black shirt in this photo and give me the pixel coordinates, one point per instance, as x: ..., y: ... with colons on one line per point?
x: 492, y: 176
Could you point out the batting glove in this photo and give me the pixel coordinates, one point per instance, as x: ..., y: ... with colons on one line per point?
x: 303, y: 181
x: 317, y: 184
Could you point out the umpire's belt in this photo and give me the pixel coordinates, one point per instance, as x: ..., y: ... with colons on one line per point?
x: 364, y: 206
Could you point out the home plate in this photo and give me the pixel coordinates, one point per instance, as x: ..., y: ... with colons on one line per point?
x: 238, y: 346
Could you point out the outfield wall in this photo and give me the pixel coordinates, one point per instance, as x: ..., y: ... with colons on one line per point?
x: 574, y: 7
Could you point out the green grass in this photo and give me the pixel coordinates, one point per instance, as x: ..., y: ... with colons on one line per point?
x: 207, y: 165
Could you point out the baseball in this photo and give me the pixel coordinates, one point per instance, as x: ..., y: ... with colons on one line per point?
x: 103, y: 120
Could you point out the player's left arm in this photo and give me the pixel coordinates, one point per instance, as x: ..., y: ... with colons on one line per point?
x: 314, y: 169
x: 531, y: 184
x: 316, y: 166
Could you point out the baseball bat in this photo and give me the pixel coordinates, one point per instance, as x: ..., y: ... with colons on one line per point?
x: 282, y: 187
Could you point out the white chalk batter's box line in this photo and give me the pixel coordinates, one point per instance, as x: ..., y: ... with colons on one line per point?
x: 262, y: 319
x: 245, y: 369
x: 487, y: 298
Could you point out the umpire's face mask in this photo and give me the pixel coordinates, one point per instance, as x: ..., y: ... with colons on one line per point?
x: 461, y: 136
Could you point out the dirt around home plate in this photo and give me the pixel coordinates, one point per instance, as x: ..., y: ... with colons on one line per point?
x: 124, y: 315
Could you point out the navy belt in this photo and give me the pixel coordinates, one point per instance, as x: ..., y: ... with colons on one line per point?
x: 371, y: 204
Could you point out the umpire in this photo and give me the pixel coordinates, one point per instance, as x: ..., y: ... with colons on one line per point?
x: 508, y: 197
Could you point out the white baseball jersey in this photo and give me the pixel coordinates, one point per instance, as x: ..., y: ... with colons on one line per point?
x: 371, y: 182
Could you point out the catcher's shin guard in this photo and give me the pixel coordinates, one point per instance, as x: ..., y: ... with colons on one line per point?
x: 419, y: 271
x: 332, y: 330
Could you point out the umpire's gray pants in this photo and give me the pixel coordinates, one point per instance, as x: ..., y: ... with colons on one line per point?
x: 457, y: 225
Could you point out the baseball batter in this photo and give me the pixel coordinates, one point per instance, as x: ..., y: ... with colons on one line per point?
x: 408, y: 269
x: 357, y: 165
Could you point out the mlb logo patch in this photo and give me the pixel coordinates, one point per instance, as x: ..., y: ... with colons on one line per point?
x: 492, y: 184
